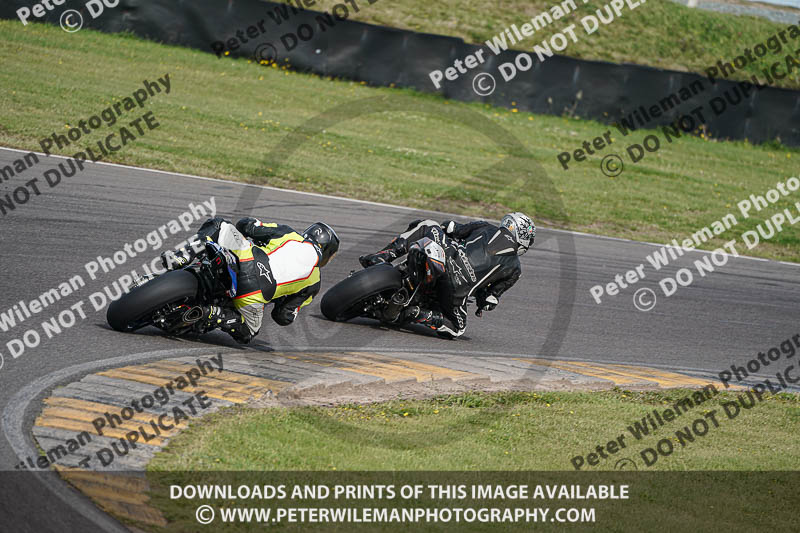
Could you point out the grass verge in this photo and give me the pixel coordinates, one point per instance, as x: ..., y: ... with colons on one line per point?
x: 488, y: 432
x: 499, y: 439
x: 661, y: 34
x: 223, y: 116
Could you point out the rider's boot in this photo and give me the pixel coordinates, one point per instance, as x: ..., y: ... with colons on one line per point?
x: 389, y: 253
x: 417, y: 315
x: 228, y: 320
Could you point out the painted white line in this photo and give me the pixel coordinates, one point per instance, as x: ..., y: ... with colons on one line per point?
x: 228, y: 182
x: 366, y: 202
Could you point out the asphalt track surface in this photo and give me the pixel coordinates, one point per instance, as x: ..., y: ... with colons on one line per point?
x: 727, y: 317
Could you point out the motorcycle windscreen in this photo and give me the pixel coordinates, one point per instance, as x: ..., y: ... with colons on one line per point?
x: 234, y: 282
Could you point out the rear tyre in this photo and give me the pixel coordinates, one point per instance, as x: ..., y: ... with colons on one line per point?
x: 132, y: 310
x: 343, y: 301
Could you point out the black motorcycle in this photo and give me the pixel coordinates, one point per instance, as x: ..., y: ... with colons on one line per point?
x: 382, y: 291
x: 173, y: 301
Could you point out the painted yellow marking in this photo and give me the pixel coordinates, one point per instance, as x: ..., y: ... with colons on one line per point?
x: 97, y: 491
x: 318, y: 359
x: 680, y: 379
x: 384, y: 372
x: 437, y: 372
x: 625, y: 374
x: 387, y: 368
x: 160, y: 378
x: 610, y: 373
x: 60, y: 401
x: 230, y: 380
x: 663, y: 378
x: 120, y: 495
x: 139, y: 513
x: 226, y: 379
x: 138, y: 419
x: 562, y: 365
x: 119, y: 432
x: 115, y: 480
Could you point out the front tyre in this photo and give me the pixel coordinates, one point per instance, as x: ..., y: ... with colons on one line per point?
x: 344, y: 300
x: 134, y: 309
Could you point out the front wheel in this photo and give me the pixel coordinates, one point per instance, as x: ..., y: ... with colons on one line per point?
x: 344, y: 300
x: 134, y: 309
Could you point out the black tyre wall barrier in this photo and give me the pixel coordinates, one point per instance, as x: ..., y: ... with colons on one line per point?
x: 332, y: 45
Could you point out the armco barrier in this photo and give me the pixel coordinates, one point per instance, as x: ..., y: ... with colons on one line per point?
x: 384, y: 56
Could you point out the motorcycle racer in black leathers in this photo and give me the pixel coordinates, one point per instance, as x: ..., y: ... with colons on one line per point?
x: 274, y: 264
x: 482, y: 260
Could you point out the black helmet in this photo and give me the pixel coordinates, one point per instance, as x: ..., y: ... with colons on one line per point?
x: 325, y: 239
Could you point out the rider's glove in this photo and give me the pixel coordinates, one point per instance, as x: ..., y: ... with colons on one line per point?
x: 246, y: 225
x: 449, y: 227
x: 488, y: 304
x: 172, y: 261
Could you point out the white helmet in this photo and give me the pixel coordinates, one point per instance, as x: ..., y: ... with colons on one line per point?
x: 522, y: 228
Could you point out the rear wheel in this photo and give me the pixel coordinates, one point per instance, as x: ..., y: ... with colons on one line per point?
x: 345, y: 300
x: 134, y: 309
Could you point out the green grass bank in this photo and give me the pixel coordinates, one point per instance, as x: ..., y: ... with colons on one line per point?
x: 492, y: 432
x: 222, y: 117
